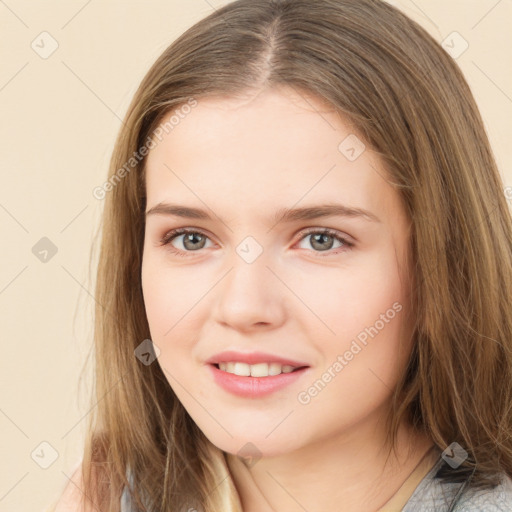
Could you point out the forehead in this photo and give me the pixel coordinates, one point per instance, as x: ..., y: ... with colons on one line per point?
x: 268, y: 149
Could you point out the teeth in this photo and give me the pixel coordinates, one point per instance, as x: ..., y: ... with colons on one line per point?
x: 255, y: 370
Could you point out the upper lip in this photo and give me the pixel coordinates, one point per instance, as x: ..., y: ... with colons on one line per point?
x: 252, y: 358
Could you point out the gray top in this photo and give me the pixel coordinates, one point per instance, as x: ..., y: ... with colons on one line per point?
x: 434, y: 495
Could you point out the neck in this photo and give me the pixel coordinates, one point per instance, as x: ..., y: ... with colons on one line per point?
x: 351, y: 469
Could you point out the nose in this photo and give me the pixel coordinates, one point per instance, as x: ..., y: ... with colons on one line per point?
x: 250, y: 295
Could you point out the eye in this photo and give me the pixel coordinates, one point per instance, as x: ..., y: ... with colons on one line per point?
x: 322, y: 240
x: 194, y: 240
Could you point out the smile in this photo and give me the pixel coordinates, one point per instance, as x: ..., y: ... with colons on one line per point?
x: 256, y: 370
x: 255, y: 380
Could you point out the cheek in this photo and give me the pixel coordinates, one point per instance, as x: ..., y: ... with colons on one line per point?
x: 169, y: 293
x: 374, y: 333
x: 352, y: 297
x: 156, y: 301
x: 174, y: 300
x: 162, y: 304
x: 364, y: 308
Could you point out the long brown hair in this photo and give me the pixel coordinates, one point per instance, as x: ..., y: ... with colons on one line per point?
x: 411, y: 104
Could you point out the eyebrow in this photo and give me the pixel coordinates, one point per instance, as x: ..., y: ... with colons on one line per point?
x: 280, y: 216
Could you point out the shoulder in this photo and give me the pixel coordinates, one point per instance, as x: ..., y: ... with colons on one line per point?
x: 498, y: 499
x: 72, y: 498
x: 436, y: 495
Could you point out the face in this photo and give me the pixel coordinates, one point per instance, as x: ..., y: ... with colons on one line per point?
x: 326, y: 292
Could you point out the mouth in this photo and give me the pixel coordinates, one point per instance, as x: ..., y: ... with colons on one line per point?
x: 256, y: 380
x: 262, y: 370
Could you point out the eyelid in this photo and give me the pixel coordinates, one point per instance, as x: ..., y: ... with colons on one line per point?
x: 328, y: 231
x: 347, y: 241
x: 169, y: 235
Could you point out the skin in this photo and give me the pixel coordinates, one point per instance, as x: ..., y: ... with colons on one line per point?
x: 242, y: 159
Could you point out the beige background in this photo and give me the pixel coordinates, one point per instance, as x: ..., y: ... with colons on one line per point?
x: 60, y: 115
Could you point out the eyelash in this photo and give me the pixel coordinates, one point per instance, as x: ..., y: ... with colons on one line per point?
x: 168, y: 237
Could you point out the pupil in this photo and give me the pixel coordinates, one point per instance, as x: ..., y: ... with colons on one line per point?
x: 321, y: 245
x: 193, y: 239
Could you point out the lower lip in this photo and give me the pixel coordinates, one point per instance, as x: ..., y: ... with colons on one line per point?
x: 254, y: 386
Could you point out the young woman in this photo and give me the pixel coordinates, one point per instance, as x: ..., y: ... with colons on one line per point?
x: 305, y: 281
